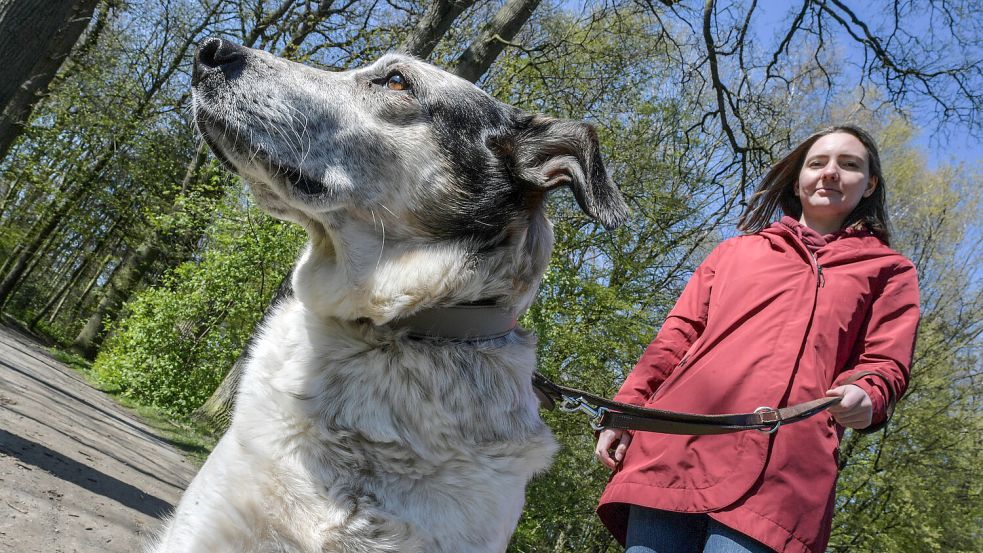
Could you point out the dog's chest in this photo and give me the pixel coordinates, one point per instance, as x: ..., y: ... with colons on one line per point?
x: 435, y: 445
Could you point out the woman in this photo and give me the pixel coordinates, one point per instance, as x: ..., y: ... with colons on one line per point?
x: 787, y: 313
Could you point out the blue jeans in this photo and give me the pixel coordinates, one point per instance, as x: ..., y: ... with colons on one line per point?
x: 655, y: 531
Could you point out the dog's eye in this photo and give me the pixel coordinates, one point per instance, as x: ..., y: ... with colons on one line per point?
x: 397, y: 81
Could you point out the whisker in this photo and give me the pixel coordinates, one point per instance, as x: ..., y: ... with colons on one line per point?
x: 382, y: 247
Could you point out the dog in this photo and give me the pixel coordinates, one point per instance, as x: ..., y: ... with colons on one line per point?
x: 387, y: 406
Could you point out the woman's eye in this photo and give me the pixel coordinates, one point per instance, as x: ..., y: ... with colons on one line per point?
x: 397, y: 82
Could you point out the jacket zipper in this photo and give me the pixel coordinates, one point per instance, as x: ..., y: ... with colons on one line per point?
x: 820, y: 283
x: 820, y: 278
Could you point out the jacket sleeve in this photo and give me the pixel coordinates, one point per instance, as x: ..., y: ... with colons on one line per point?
x: 682, y: 327
x: 888, y: 345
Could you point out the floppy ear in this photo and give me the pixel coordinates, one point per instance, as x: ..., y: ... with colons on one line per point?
x: 546, y: 153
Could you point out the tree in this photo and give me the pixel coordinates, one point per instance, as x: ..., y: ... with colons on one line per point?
x: 432, y: 26
x: 36, y: 36
x: 494, y: 37
x: 604, y: 292
x: 941, y: 75
x: 180, y: 337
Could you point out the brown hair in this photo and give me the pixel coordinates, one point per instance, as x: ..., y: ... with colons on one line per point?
x: 777, y: 189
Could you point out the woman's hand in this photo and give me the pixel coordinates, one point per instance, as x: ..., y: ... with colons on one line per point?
x: 606, y: 442
x: 855, y: 410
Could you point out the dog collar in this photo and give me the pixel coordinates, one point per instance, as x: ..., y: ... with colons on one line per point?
x: 460, y: 323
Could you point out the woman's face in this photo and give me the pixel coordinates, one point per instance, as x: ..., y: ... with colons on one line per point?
x: 833, y: 179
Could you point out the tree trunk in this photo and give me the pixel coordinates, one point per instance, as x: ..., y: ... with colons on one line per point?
x: 67, y: 197
x: 8, y: 194
x: 36, y: 37
x: 54, y: 305
x: 80, y: 302
x: 27, y: 253
x: 71, y: 260
x: 434, y: 24
x: 216, y: 413
x: 36, y: 259
x: 118, y: 291
x: 76, y: 275
x: 10, y: 259
x: 58, y: 294
x: 476, y: 60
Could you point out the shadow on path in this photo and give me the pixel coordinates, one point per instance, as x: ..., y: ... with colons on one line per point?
x: 108, y: 414
x: 68, y: 469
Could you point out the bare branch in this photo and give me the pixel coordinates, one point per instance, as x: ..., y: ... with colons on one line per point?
x: 476, y: 60
x: 719, y: 88
x: 783, y: 47
x: 433, y: 26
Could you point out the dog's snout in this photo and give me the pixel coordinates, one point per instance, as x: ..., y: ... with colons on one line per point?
x: 216, y: 54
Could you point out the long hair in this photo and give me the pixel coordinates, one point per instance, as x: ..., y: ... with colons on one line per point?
x: 777, y: 189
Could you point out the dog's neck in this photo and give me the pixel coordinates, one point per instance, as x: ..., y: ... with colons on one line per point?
x: 459, y: 323
x: 350, y: 273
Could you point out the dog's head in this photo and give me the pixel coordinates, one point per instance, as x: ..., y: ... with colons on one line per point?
x: 417, y: 188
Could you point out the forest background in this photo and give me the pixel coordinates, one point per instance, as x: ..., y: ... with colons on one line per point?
x: 123, y: 240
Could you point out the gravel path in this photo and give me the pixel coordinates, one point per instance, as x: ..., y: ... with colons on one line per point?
x: 78, y: 473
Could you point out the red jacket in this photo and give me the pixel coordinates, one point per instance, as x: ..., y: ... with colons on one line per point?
x: 769, y: 319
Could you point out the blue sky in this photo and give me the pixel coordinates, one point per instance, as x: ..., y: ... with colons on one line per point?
x: 954, y: 143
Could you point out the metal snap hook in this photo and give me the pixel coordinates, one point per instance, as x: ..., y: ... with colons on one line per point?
x: 595, y: 414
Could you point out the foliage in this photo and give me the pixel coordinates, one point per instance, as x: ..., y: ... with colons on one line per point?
x: 177, y: 340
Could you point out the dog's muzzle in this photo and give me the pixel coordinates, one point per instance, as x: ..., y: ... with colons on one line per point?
x: 217, y: 57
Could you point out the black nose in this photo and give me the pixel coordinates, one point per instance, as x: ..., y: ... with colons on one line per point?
x: 216, y: 55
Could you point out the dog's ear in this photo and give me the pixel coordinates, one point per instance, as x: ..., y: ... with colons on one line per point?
x: 547, y: 153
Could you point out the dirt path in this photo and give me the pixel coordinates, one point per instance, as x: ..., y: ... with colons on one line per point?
x: 78, y: 473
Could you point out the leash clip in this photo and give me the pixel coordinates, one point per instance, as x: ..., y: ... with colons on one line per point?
x: 769, y: 415
x: 595, y: 414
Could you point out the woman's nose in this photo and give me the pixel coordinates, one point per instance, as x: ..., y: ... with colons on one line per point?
x: 829, y: 172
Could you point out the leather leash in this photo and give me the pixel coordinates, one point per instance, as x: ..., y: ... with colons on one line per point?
x: 483, y: 320
x: 605, y: 413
